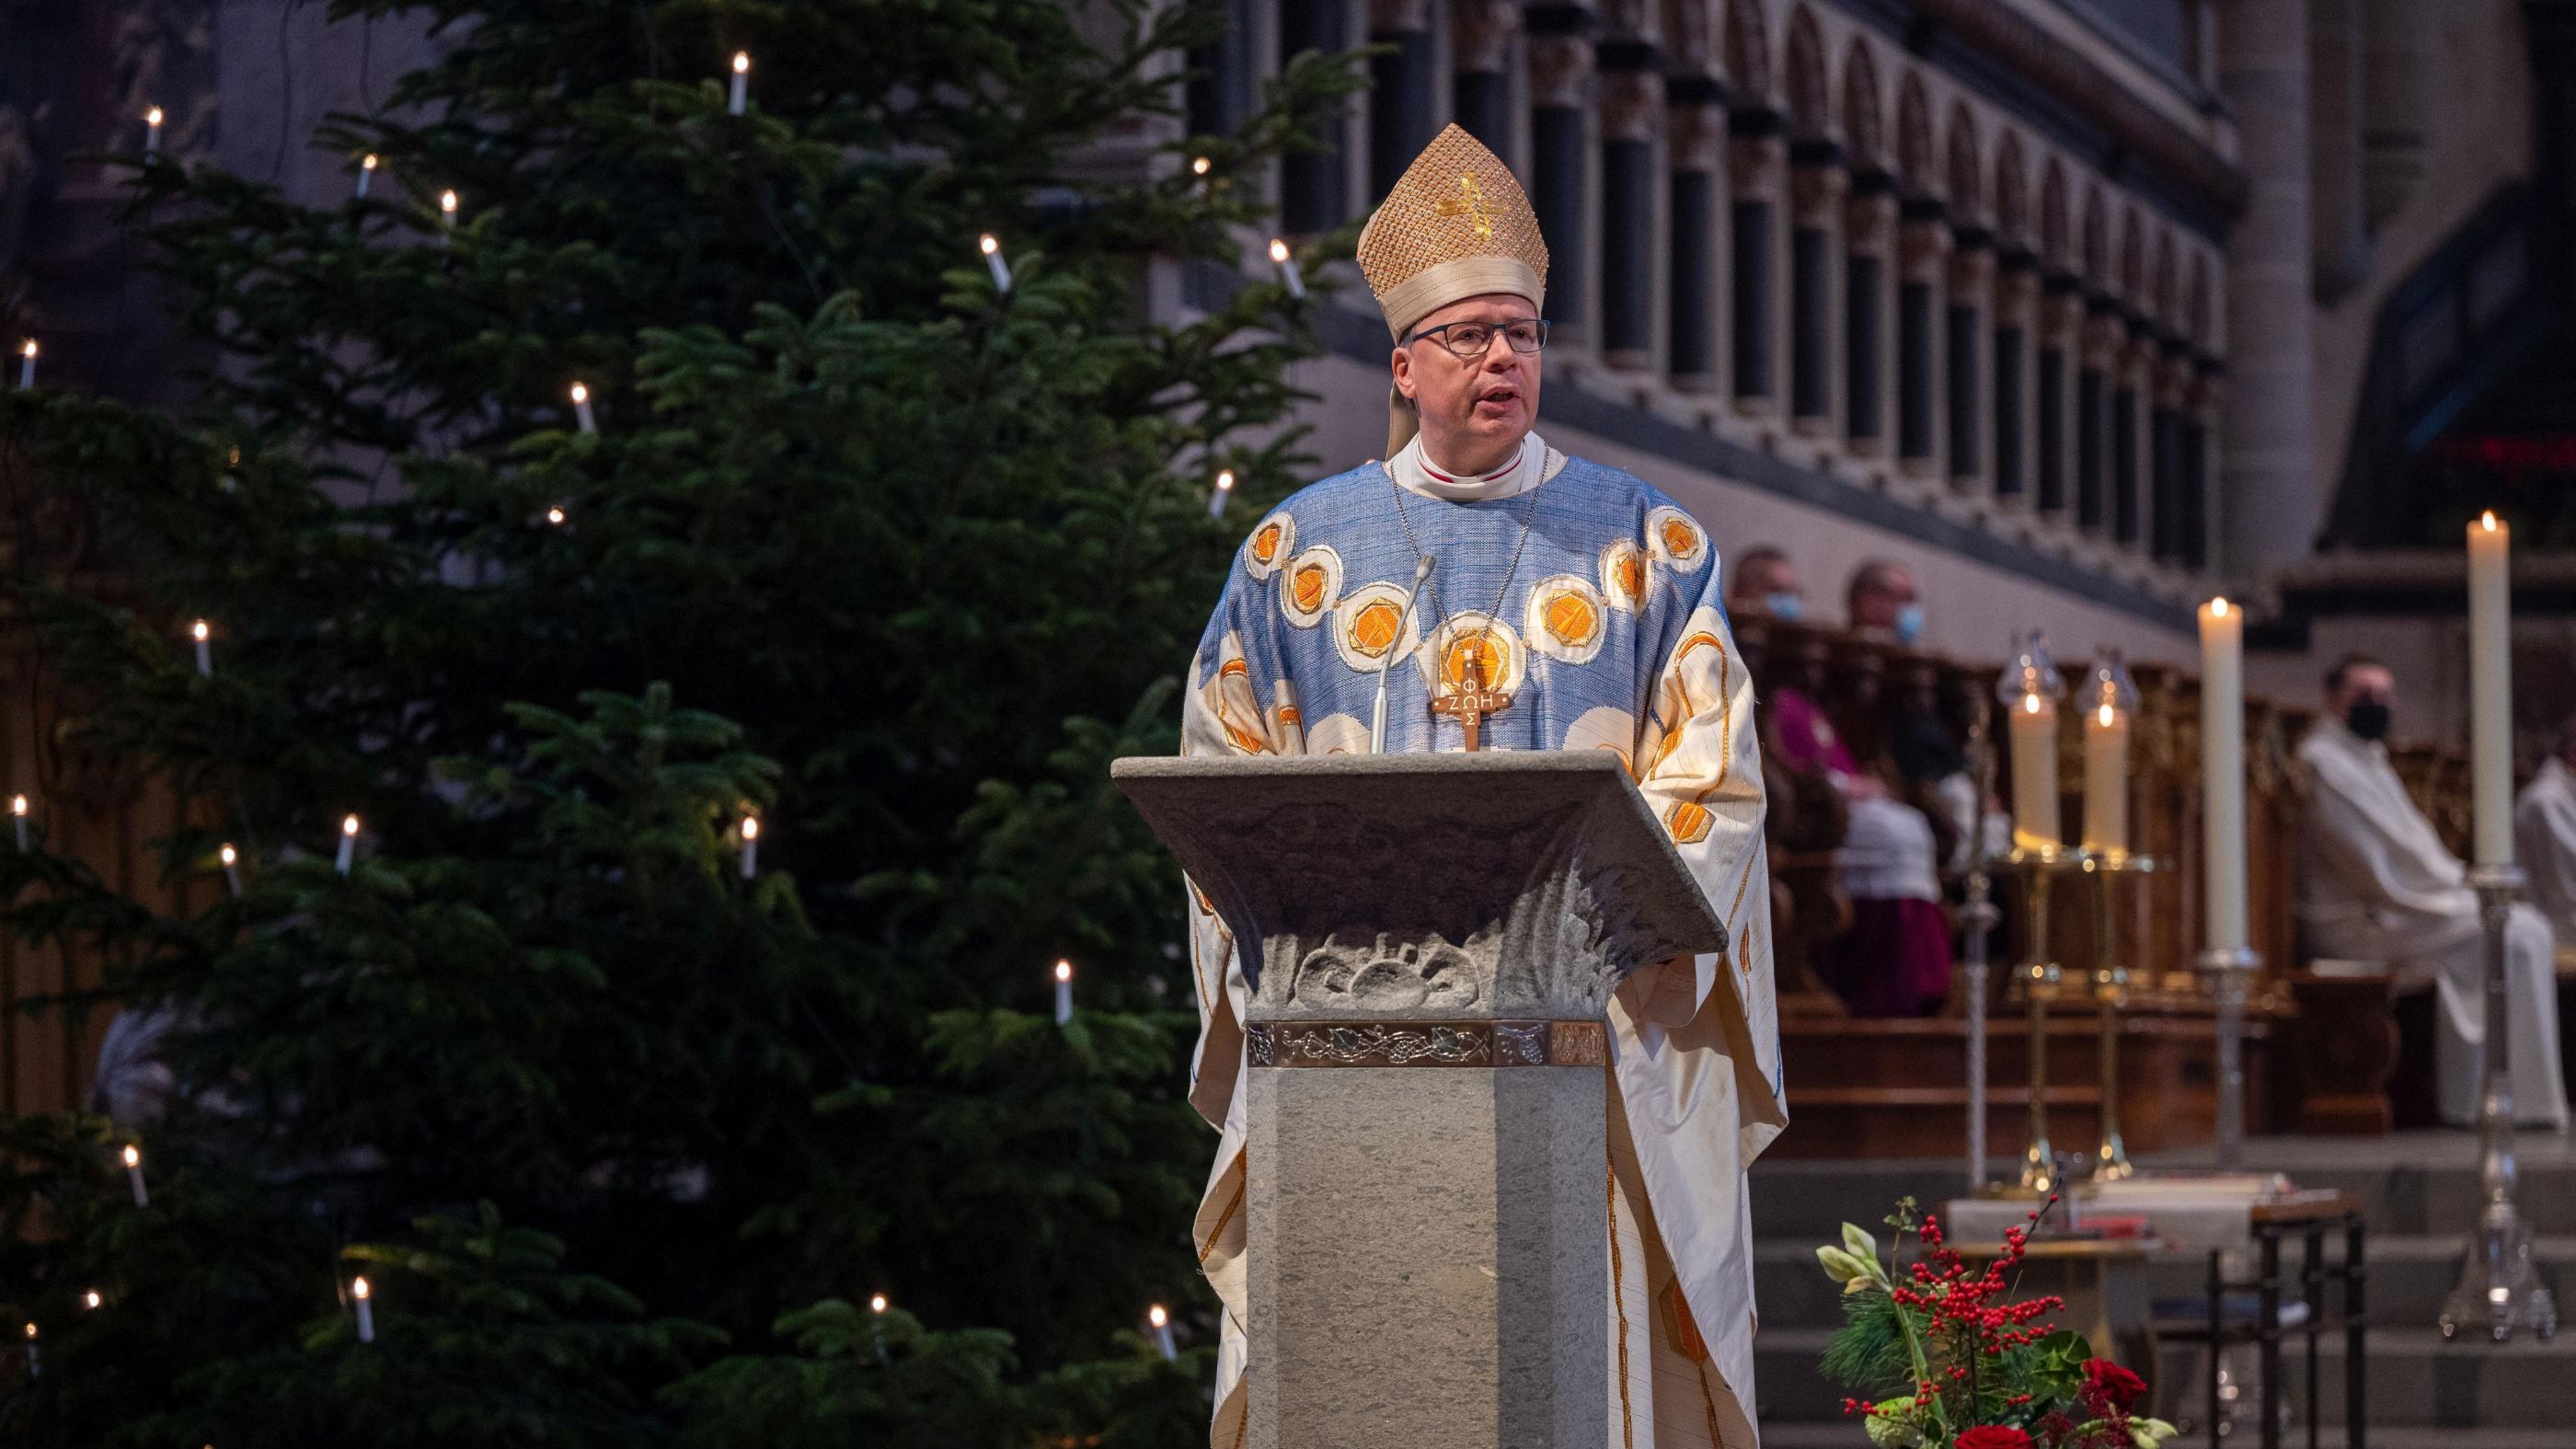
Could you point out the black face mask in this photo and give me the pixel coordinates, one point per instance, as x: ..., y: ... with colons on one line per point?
x: 2368, y: 718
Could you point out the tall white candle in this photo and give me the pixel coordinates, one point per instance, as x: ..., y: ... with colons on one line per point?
x: 2106, y: 779
x: 348, y: 844
x: 134, y: 1175
x: 582, y: 415
x: 1063, y: 992
x: 203, y: 634
x: 1223, y: 491
x: 741, y: 96
x: 152, y: 133
x: 991, y: 246
x: 27, y: 365
x: 750, y: 846
x: 2034, y: 775
x: 1287, y: 265
x: 2491, y: 688
x: 1162, y: 1323
x: 366, y: 175
x: 2222, y: 773
x: 232, y: 869
x: 363, y: 1299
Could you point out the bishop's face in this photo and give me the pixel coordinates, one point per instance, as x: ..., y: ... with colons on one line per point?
x: 1474, y: 410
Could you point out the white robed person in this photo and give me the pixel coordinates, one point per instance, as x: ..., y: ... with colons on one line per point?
x: 2375, y: 883
x: 1567, y: 606
x: 2544, y: 836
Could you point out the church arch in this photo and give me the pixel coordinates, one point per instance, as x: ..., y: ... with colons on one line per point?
x: 2056, y: 219
x: 2012, y: 193
x: 1864, y: 135
x: 1915, y: 170
x: 1810, y: 94
x: 1967, y: 190
x: 1748, y: 51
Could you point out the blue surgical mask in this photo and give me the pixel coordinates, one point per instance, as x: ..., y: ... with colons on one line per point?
x: 1785, y: 607
x: 1909, y: 623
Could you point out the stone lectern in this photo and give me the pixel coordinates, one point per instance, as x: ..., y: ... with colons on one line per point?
x: 1431, y: 941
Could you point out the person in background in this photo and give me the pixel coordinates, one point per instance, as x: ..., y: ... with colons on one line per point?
x: 1764, y: 584
x: 1882, y: 604
x: 2544, y: 835
x: 2376, y: 883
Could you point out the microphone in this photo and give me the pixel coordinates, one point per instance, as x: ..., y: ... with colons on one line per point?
x: 1377, y: 717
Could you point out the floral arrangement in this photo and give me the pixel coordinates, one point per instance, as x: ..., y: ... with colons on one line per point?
x: 1952, y: 1360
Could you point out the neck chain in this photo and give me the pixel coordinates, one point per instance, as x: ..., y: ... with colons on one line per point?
x: 1529, y: 515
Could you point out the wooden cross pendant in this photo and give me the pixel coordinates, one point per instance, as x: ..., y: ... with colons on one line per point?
x: 1471, y: 706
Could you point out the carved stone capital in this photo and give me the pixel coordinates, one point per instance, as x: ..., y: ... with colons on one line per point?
x: 1697, y: 136
x: 1631, y: 21
x: 1399, y: 17
x: 1922, y: 247
x: 2105, y: 341
x: 1869, y: 223
x: 1755, y: 164
x: 1632, y: 105
x: 1481, y: 32
x: 2016, y: 297
x: 1970, y: 269
x: 1816, y: 193
x: 1560, y: 71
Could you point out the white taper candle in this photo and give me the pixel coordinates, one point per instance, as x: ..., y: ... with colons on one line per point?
x: 1063, y: 992
x: 152, y: 133
x: 18, y: 820
x: 750, y: 846
x: 134, y: 1175
x: 2034, y: 775
x: 348, y: 844
x: 741, y: 95
x: 2106, y: 778
x: 366, y: 175
x: 232, y: 869
x: 587, y: 420
x: 2491, y: 688
x: 991, y: 246
x: 1223, y: 491
x: 27, y: 365
x: 1162, y: 1323
x: 204, y: 635
x: 1287, y: 265
x: 2222, y: 774
x: 363, y: 1299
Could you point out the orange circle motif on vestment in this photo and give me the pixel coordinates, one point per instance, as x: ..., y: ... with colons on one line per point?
x: 1265, y: 544
x: 1632, y: 574
x: 1680, y: 539
x: 1476, y: 661
x: 1572, y: 619
x: 1373, y: 631
x: 1688, y: 823
x: 1308, y: 587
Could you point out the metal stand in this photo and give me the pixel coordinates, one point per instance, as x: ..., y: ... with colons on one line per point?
x: 2498, y: 1286
x: 2229, y: 970
x: 2110, y: 993
x: 1979, y: 918
x: 2040, y: 978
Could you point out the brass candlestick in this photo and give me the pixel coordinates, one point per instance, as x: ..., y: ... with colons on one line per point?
x: 2040, y: 978
x: 2110, y: 993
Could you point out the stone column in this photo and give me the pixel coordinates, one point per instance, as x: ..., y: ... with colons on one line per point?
x: 1923, y: 257
x: 1403, y: 101
x: 1632, y: 118
x: 1816, y: 184
x: 2269, y: 509
x: 1481, y: 33
x: 1757, y: 163
x: 1698, y: 151
x: 2171, y: 515
x: 1560, y: 99
x: 1963, y: 352
x: 2097, y: 363
x: 2338, y: 236
x: 2134, y: 367
x: 2061, y: 330
x: 2201, y: 427
x: 1314, y: 186
x: 2016, y: 293
x: 1869, y: 230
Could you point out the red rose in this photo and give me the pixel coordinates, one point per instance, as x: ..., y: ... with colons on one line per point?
x: 2112, y: 1384
x: 1992, y: 1437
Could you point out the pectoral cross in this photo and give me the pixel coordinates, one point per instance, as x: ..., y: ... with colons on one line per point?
x: 1471, y: 706
x: 1471, y: 205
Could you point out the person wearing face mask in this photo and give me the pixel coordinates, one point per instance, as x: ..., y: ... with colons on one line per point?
x: 1765, y: 584
x: 1882, y: 604
x: 2376, y: 883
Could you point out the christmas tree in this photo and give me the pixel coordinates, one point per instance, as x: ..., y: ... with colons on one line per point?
x: 851, y: 537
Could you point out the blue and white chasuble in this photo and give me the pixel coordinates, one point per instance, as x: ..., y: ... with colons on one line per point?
x: 1606, y: 634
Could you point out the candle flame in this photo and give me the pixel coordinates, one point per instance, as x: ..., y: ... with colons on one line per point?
x: 228, y: 855
x: 876, y: 1303
x: 580, y: 394
x: 1064, y: 971
x: 152, y: 117
x: 2030, y: 704
x: 988, y: 244
x: 751, y: 827
x: 200, y: 632
x: 2218, y: 608
x: 2110, y: 716
x: 555, y: 514
x: 447, y: 202
x: 2487, y: 520
x: 349, y: 826
x: 31, y: 1330
x: 1225, y: 480
x: 30, y: 349
x: 358, y: 1288
x: 368, y: 164
x: 741, y: 62
x: 18, y: 805
x: 91, y: 1299
x: 1156, y: 1316
x: 1199, y: 166
x: 133, y: 1155
x: 1278, y: 250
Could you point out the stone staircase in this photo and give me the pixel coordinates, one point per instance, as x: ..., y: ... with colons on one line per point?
x: 2421, y: 1194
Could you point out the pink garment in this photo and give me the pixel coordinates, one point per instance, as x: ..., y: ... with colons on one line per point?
x: 1808, y: 740
x: 1894, y: 961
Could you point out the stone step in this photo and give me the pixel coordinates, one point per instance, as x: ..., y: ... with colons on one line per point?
x: 2417, y: 1379
x: 2410, y: 1276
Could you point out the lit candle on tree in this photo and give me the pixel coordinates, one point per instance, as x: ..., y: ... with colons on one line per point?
x: 1294, y: 279
x: 750, y: 846
x: 152, y: 133
x: 362, y: 1298
x: 91, y: 1299
x: 741, y: 96
x: 27, y: 365
x: 2491, y: 688
x: 1162, y: 1322
x: 232, y: 869
x: 2222, y: 763
x: 446, y: 216
x: 18, y: 819
x: 581, y: 412
x: 348, y: 844
x: 877, y: 1306
x: 991, y: 246
x: 1063, y: 992
x: 33, y: 1367
x: 366, y: 175
x: 134, y: 1175
x: 556, y: 515
x: 204, y: 635
x: 1200, y: 166
x: 1223, y: 491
